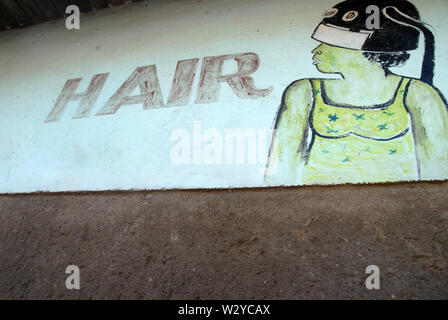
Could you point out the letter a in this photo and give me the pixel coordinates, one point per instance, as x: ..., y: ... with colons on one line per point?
x: 72, y: 281
x: 151, y: 94
x: 373, y: 21
x: 72, y: 21
x: 373, y: 281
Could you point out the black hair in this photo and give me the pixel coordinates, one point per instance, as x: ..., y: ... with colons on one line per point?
x: 399, y: 32
x: 387, y: 60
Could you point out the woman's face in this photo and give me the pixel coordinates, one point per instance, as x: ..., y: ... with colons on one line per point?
x: 330, y: 59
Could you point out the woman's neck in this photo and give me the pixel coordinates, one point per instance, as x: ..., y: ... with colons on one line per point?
x: 369, y: 87
x: 365, y: 74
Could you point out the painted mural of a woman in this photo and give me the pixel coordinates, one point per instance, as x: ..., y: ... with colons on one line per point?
x: 368, y: 124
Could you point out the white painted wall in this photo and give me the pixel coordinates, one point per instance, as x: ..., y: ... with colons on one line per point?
x: 131, y: 149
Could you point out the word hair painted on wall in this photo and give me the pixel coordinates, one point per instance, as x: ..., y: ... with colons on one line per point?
x: 146, y: 79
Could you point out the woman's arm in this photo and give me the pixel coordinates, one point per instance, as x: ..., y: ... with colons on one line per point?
x: 430, y: 127
x: 290, y: 135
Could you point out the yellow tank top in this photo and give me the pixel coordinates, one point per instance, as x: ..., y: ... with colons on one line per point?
x: 360, y: 144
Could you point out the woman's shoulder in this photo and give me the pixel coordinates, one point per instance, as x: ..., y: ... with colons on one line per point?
x: 421, y: 94
x: 421, y: 89
x: 298, y: 94
x: 299, y: 88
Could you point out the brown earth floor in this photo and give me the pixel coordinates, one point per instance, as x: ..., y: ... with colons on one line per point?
x: 296, y: 243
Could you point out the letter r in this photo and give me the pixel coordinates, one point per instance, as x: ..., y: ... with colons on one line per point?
x: 241, y: 83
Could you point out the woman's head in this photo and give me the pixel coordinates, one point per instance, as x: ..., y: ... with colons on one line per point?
x: 349, y: 25
x: 347, y: 29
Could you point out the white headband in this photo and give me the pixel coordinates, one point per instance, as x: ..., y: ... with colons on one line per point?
x: 341, y: 37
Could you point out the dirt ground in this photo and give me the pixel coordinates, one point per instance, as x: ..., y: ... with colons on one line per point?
x: 286, y: 243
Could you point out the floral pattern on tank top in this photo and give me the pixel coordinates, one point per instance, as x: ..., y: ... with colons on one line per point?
x: 360, y: 144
